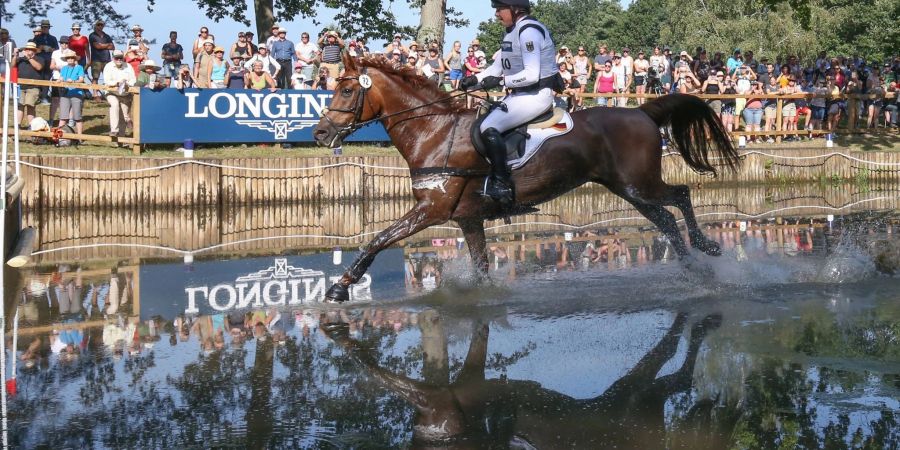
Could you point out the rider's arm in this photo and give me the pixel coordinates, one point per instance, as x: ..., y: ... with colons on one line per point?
x: 494, y: 70
x: 531, y: 59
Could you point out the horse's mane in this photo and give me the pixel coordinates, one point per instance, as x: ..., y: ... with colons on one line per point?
x: 409, y: 76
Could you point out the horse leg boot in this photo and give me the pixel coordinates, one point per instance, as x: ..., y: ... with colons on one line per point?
x: 499, y: 184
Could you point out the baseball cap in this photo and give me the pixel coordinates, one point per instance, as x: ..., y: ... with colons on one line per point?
x: 683, y: 53
x: 118, y: 54
x: 63, y: 39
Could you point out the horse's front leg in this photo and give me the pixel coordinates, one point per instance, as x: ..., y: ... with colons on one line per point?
x: 422, y: 216
x: 473, y: 231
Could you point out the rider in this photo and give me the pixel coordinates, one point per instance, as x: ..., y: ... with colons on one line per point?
x: 527, y: 66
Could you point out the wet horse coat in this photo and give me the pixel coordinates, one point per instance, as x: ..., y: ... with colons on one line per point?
x: 619, y: 148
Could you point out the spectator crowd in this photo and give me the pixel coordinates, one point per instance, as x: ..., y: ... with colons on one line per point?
x: 314, y: 62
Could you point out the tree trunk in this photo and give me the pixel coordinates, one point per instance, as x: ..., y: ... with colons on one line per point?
x: 265, y: 18
x: 431, y: 27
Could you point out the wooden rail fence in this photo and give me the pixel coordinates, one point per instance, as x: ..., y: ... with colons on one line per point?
x: 73, y: 181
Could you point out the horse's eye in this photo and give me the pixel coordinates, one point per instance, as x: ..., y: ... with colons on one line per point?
x: 347, y: 92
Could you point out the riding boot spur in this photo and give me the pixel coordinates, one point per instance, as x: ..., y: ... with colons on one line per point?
x: 499, y: 184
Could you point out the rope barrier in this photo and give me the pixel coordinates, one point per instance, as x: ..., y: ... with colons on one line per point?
x: 209, y: 164
x: 394, y: 168
x: 492, y: 228
x: 801, y: 158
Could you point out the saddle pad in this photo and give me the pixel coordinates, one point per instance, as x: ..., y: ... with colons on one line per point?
x: 537, y: 137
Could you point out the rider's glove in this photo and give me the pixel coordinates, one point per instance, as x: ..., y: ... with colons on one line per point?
x: 491, y: 82
x: 468, y: 82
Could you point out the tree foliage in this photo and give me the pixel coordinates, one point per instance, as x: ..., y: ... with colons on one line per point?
x: 769, y: 27
x: 358, y: 18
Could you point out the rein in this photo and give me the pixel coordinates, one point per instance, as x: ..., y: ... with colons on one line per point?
x: 365, y: 83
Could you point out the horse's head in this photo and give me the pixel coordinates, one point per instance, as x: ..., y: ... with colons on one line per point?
x: 351, y: 106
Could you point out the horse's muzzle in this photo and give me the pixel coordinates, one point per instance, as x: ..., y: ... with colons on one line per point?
x: 323, y: 136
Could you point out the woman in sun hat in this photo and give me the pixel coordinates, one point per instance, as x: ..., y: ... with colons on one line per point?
x: 71, y: 99
x: 149, y: 76
x: 217, y: 69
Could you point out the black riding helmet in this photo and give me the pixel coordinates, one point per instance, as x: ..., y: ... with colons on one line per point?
x: 519, y: 3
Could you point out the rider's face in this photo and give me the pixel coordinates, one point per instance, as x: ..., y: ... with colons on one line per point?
x: 504, y: 15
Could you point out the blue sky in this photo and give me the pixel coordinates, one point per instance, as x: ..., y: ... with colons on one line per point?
x: 184, y: 16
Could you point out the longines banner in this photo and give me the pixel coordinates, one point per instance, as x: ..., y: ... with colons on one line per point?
x: 237, y: 115
x: 216, y: 287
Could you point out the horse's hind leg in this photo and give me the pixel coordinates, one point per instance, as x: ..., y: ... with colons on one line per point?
x: 680, y: 197
x: 665, y: 221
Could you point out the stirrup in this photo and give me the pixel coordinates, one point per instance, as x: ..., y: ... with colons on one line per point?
x: 499, y: 191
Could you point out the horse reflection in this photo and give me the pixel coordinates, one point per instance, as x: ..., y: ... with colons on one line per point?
x: 475, y: 412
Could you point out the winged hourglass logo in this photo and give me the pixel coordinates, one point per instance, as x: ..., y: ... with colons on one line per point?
x: 280, y: 128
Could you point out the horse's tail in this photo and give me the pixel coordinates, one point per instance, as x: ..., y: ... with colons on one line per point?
x: 695, y: 131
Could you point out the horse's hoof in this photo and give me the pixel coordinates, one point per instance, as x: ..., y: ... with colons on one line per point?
x: 709, y: 247
x: 713, y: 249
x: 337, y: 293
x: 336, y: 329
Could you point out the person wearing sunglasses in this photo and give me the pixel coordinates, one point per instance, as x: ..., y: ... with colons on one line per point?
x: 202, y: 37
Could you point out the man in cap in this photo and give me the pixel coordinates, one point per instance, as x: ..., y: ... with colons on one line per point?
x: 29, y: 67
x: 138, y: 40
x: 397, y: 45
x: 283, y: 52
x: 57, y: 61
x: 120, y: 76
x: 331, y: 45
x: 101, y: 45
x: 46, y: 44
x: 273, y: 34
x: 7, y: 52
x: 527, y: 65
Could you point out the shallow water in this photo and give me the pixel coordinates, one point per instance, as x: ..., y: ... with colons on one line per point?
x: 790, y: 339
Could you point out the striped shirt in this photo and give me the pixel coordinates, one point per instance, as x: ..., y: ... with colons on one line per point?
x: 331, y: 53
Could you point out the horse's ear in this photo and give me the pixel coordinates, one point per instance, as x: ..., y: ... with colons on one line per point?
x: 349, y: 62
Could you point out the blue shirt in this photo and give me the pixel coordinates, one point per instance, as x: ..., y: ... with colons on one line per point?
x: 733, y: 64
x: 72, y: 74
x: 282, y: 49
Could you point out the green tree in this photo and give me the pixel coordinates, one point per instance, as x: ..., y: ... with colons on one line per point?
x: 641, y: 24
x: 571, y: 23
x: 362, y: 18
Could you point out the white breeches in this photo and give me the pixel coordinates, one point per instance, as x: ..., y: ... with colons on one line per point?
x: 521, y: 109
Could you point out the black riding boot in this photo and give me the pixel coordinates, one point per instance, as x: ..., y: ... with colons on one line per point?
x: 499, y: 184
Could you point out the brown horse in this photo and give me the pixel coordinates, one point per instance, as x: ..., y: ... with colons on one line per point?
x: 474, y: 411
x: 619, y: 148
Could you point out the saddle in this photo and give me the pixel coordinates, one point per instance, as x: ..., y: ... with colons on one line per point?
x: 524, y: 140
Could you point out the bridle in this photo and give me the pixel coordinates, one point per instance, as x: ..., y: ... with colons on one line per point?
x: 357, y: 111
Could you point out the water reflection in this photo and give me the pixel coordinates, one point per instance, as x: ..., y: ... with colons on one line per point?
x: 593, y: 339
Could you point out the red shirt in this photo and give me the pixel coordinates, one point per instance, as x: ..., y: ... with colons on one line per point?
x: 79, y: 45
x: 135, y: 63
